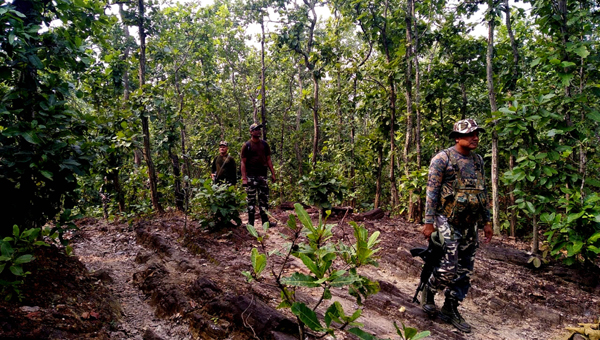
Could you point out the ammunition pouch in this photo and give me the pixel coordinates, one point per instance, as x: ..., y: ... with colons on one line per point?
x: 465, y: 201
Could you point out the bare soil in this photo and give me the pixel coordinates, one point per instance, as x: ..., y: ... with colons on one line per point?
x: 163, y: 277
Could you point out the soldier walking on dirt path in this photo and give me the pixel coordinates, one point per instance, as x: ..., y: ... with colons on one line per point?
x: 256, y: 160
x: 223, y: 167
x: 457, y: 204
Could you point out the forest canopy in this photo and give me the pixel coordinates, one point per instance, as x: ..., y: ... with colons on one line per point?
x: 130, y: 99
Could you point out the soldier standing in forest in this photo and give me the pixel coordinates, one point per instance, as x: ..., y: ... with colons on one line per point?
x: 256, y: 159
x: 223, y: 166
x: 457, y: 204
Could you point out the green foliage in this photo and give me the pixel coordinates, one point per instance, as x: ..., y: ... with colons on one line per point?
x: 321, y: 258
x: 406, y: 333
x: 215, y: 205
x: 15, y: 251
x: 322, y: 187
x: 574, y: 235
x: 41, y: 143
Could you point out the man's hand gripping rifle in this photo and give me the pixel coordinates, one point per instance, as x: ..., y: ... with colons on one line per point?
x: 432, y: 255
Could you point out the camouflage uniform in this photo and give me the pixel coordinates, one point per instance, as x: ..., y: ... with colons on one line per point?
x: 460, y: 234
x: 255, y: 156
x: 258, y: 185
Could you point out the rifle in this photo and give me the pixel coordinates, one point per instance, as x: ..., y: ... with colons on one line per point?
x: 432, y: 255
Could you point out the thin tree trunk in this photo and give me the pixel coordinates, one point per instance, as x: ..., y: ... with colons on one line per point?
x: 513, y: 216
x: 494, y: 108
x: 179, y: 199
x: 298, y: 118
x: 263, y: 110
x: 513, y: 43
x: 315, y: 148
x: 379, y: 170
x: 409, y: 97
x: 535, y: 248
x: 145, y: 128
x: 392, y: 98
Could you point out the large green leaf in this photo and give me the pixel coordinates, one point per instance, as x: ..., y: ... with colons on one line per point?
x: 24, y: 259
x: 594, y: 237
x: 362, y: 334
x: 304, y: 217
x: 300, y: 280
x: 307, y: 316
x: 259, y: 261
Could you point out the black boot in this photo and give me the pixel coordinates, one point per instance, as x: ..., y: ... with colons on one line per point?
x: 427, y: 301
x: 251, y: 219
x: 451, y: 315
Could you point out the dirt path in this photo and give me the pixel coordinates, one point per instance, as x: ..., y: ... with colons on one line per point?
x: 171, y: 291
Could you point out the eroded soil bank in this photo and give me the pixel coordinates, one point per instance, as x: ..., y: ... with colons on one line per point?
x: 165, y: 278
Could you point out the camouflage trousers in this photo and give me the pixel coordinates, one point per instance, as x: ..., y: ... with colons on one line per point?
x: 258, y: 186
x: 454, y: 272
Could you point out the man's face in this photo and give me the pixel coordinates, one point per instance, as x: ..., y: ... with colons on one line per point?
x: 223, y: 150
x: 256, y: 132
x: 469, y: 141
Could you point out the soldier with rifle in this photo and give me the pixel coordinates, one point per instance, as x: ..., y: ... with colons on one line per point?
x: 457, y: 205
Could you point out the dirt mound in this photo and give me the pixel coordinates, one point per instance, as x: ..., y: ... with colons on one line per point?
x: 60, y: 300
x: 177, y: 281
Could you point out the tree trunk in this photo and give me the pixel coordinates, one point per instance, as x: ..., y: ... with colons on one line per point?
x: 263, y: 110
x: 315, y: 147
x: 515, y: 52
x: 298, y: 118
x: 535, y: 247
x: 494, y: 108
x: 179, y: 199
x: 513, y: 216
x: 379, y: 170
x: 392, y: 98
x: 408, y: 77
x: 145, y: 128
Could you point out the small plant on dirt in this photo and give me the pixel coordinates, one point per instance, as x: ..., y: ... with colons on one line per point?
x: 15, y: 251
x: 406, y: 333
x: 216, y: 205
x: 329, y: 265
x: 575, y: 236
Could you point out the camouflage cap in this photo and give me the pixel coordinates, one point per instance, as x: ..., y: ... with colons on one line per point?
x: 255, y: 127
x: 465, y: 126
x: 223, y: 143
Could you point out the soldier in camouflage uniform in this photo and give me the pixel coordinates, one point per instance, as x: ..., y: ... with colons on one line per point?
x: 256, y: 159
x: 456, y: 205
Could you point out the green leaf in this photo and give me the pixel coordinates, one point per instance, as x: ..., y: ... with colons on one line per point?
x: 259, y: 261
x: 582, y: 51
x: 46, y: 174
x: 2, y: 267
x: 304, y: 217
x: 409, y: 332
x: 567, y: 64
x: 594, y: 115
x: 311, y: 265
x: 300, y: 280
x: 362, y: 334
x: 421, y: 335
x: 594, y: 237
x: 251, y: 230
x: 16, y: 270
x: 24, y: 259
x: 16, y: 231
x: 530, y: 207
x: 248, y: 275
x: 307, y: 316
x: 33, y: 59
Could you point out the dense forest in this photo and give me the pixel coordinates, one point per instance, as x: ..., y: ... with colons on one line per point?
x: 130, y: 99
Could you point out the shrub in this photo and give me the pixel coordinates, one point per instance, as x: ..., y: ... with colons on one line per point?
x: 216, y: 205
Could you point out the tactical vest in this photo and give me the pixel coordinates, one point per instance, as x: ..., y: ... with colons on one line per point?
x: 465, y: 202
